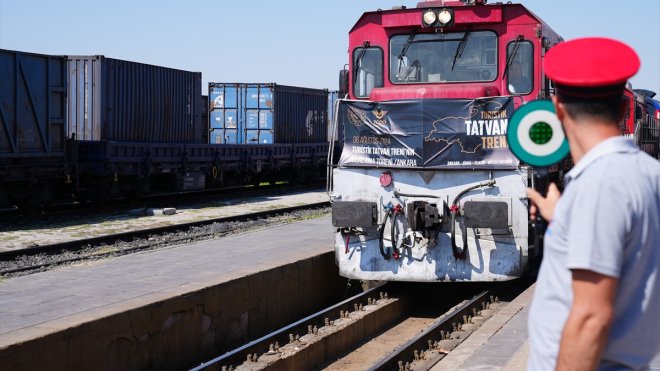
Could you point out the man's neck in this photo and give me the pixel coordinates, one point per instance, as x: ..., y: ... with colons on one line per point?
x: 589, y: 134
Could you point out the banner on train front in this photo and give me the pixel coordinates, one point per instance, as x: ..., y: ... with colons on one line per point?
x: 436, y: 134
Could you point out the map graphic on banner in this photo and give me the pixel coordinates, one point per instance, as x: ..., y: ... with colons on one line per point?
x: 437, y: 134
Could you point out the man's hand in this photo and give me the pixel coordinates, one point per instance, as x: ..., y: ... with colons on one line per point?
x: 544, y: 205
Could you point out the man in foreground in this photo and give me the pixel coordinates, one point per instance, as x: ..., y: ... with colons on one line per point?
x: 597, y: 300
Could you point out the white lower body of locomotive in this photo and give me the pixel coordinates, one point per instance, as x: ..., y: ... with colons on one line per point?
x: 403, y: 231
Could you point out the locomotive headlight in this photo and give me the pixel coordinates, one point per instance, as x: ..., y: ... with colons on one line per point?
x: 445, y: 17
x: 429, y: 18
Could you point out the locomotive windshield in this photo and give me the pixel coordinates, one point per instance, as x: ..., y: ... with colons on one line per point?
x: 443, y: 57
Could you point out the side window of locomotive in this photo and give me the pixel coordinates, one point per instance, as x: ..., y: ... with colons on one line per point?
x: 521, y: 67
x: 367, y: 71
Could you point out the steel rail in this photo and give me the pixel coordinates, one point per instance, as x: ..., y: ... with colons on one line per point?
x: 262, y: 345
x: 406, y: 352
x: 153, y: 199
x: 128, y: 236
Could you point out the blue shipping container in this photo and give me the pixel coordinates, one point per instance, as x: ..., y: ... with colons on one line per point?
x: 223, y: 136
x: 225, y: 96
x: 266, y: 137
x: 224, y: 119
x: 281, y: 114
x: 258, y: 136
x: 32, y: 105
x: 258, y: 119
x: 259, y: 96
x: 117, y: 100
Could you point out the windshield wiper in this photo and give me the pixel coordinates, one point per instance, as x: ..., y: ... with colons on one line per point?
x: 404, y: 50
x: 358, y: 61
x: 460, y: 48
x: 509, y: 59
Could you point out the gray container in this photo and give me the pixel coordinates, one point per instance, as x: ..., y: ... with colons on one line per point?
x: 32, y: 105
x: 117, y: 100
x: 269, y: 113
x: 300, y: 115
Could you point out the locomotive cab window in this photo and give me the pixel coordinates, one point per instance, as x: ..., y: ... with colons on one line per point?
x: 520, y: 67
x: 367, y: 70
x: 443, y: 57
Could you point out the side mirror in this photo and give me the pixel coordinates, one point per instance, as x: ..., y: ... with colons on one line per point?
x: 343, y: 82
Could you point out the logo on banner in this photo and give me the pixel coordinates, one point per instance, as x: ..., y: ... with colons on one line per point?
x: 535, y: 134
x: 356, y: 117
x: 379, y: 114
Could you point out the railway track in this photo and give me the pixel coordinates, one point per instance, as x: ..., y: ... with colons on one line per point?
x: 42, y: 257
x: 14, y: 216
x: 395, y: 326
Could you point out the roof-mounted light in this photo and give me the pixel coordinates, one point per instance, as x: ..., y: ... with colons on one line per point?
x: 429, y: 17
x: 443, y: 17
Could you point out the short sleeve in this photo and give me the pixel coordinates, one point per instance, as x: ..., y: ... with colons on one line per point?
x: 599, y: 220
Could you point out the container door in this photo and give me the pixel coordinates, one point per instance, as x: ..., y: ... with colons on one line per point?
x: 217, y: 97
x: 216, y: 136
x: 252, y: 119
x: 231, y: 137
x: 217, y: 119
x: 266, y: 119
x: 232, y: 95
x: 266, y: 97
x: 231, y: 119
x: 252, y: 96
x: 252, y: 136
x: 265, y: 137
x: 224, y: 95
x: 85, y: 98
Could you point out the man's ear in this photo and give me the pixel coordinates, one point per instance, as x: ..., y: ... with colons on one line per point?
x: 559, y: 108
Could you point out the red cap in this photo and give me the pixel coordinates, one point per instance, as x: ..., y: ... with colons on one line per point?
x: 593, y: 62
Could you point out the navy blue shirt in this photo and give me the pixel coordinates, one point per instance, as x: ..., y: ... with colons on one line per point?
x: 606, y: 221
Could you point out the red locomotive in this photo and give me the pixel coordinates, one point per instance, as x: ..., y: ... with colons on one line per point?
x: 426, y: 188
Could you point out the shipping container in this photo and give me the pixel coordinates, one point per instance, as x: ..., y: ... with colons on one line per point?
x: 117, y: 100
x: 259, y: 136
x: 226, y: 118
x: 224, y: 136
x: 32, y: 105
x: 267, y: 113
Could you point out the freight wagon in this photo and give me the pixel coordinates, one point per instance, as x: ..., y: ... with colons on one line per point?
x: 74, y: 128
x: 32, y: 126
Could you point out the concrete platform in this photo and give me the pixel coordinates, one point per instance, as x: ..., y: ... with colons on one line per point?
x: 53, y: 230
x: 501, y: 343
x: 162, y: 309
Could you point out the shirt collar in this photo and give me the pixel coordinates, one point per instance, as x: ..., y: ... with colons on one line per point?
x: 616, y: 144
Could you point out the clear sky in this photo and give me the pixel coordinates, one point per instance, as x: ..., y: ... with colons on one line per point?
x: 292, y: 42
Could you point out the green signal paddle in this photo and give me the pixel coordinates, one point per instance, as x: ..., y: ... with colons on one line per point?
x: 535, y: 134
